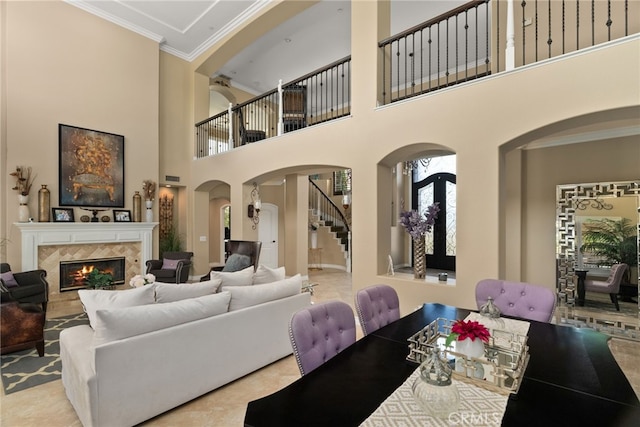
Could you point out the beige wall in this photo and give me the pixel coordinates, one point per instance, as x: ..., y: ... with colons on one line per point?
x: 479, y: 122
x: 602, y: 161
x: 63, y: 65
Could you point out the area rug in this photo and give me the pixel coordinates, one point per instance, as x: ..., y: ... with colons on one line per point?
x: 24, y: 369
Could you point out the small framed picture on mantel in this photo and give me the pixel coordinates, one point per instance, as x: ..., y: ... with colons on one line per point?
x: 120, y: 215
x: 62, y: 215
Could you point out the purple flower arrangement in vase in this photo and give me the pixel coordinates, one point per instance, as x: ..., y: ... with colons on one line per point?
x: 417, y: 225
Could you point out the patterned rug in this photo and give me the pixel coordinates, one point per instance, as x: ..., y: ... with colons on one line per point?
x: 24, y: 369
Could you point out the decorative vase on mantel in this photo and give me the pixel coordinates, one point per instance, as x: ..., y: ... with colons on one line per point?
x: 419, y: 258
x: 44, y: 204
x: 137, y: 207
x: 149, y: 215
x: 23, y: 208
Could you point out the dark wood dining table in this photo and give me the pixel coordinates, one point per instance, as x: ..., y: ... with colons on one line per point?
x: 572, y: 379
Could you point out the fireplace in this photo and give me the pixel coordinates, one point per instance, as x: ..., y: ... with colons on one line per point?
x: 73, y: 274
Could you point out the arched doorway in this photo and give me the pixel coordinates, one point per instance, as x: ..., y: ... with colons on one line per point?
x: 434, y: 181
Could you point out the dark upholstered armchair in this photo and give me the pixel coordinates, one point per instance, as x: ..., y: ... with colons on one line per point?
x: 21, y: 326
x: 240, y: 255
x: 27, y: 286
x: 172, y: 268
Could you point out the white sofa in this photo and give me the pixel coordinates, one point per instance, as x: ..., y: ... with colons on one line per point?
x: 113, y: 379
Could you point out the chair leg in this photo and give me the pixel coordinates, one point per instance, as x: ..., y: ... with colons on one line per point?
x: 614, y: 300
x: 40, y: 348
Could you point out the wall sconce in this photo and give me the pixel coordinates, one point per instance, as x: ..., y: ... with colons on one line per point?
x: 253, y: 210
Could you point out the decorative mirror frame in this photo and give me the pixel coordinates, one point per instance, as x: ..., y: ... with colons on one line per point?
x: 566, y: 198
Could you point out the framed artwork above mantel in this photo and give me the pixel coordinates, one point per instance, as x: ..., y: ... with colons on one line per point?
x: 91, y: 168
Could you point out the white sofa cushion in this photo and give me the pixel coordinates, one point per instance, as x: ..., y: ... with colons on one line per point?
x: 247, y: 296
x: 169, y: 292
x: 97, y: 299
x: 265, y: 274
x: 118, y: 323
x: 236, y: 278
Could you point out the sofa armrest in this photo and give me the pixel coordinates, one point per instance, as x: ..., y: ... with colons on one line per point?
x: 153, y: 264
x: 182, y: 271
x: 33, y: 287
x: 208, y: 275
x: 31, y: 277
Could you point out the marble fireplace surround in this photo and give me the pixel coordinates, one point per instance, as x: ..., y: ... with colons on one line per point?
x: 45, y: 244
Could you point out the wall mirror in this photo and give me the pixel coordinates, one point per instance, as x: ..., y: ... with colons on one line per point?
x: 579, y: 207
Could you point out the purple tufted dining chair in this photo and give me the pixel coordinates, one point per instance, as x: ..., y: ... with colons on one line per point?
x: 517, y: 299
x: 610, y: 286
x: 377, y: 306
x: 321, y: 331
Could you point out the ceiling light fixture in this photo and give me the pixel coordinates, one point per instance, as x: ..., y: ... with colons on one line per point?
x: 410, y: 165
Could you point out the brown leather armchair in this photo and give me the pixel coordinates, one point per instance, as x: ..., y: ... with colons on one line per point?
x: 21, y: 326
x: 239, y: 254
x: 31, y: 286
x: 172, y: 268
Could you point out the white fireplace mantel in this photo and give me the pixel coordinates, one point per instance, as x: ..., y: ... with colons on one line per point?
x: 36, y: 234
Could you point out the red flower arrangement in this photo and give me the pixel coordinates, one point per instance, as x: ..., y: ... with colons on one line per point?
x: 461, y: 330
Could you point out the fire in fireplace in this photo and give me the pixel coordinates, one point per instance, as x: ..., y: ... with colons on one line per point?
x: 73, y: 274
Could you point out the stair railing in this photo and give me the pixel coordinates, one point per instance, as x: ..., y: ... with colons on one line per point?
x: 324, y: 206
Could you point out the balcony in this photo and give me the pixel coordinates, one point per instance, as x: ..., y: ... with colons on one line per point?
x: 470, y: 42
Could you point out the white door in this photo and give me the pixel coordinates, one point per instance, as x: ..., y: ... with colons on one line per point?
x: 268, y: 235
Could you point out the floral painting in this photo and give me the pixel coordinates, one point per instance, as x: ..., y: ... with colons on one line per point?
x: 91, y: 168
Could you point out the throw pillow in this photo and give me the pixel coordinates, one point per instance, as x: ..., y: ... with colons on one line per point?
x: 265, y: 274
x: 170, y: 264
x: 237, y: 262
x: 93, y: 300
x: 236, y: 278
x: 118, y: 323
x: 8, y: 279
x: 169, y: 292
x: 247, y: 296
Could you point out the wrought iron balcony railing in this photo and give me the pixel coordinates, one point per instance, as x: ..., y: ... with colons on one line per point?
x: 314, y: 98
x: 469, y: 42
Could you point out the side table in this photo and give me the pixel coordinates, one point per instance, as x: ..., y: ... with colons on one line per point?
x: 581, y: 275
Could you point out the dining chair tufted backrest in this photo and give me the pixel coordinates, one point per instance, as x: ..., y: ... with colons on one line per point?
x: 517, y: 299
x: 321, y: 331
x: 377, y: 306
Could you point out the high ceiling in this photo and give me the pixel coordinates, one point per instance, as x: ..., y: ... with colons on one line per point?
x: 316, y: 37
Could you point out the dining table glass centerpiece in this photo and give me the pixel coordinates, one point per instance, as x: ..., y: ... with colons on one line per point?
x: 433, y: 389
x: 418, y: 225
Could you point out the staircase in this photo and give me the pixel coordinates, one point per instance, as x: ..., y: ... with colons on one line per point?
x: 334, y: 240
x: 333, y: 222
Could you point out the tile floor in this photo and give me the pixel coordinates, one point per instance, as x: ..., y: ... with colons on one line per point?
x: 225, y: 407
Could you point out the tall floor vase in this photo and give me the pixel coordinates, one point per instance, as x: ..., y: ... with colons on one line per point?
x: 419, y: 259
